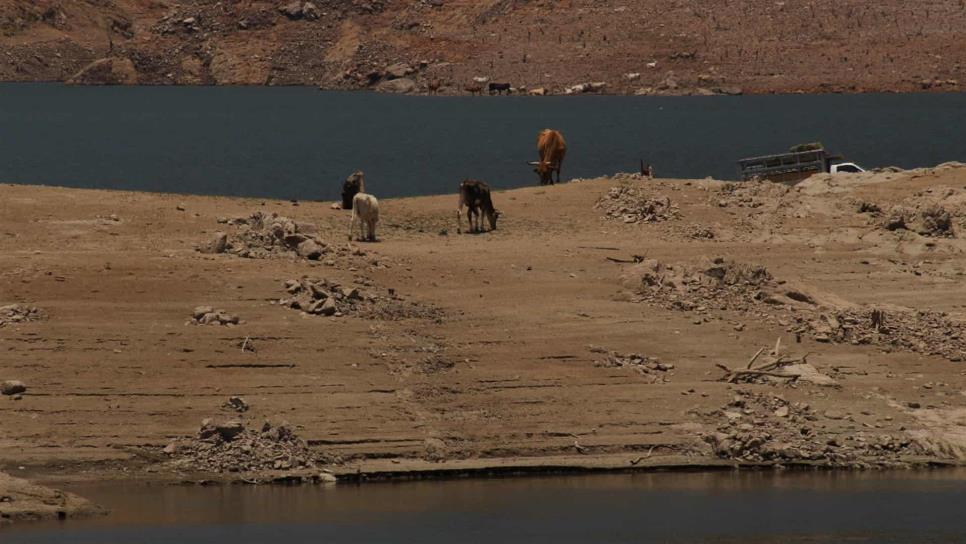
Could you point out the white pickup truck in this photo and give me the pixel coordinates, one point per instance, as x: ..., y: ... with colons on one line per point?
x: 845, y: 168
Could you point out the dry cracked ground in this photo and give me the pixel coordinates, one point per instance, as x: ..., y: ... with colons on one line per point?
x: 607, y: 323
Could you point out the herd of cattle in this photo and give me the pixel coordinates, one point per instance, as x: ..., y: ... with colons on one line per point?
x: 474, y: 194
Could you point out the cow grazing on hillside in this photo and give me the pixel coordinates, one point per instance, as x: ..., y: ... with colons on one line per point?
x: 552, y: 149
x: 475, y: 197
x: 499, y: 88
x: 365, y: 209
x: 355, y: 183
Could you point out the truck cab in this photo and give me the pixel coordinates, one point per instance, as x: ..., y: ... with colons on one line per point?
x: 845, y: 168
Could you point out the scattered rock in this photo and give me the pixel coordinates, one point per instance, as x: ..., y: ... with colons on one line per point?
x: 20, y: 313
x: 650, y: 367
x: 237, y: 404
x: 329, y: 298
x: 205, y: 315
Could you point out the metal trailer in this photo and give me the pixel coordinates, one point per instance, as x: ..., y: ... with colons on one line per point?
x: 786, y: 167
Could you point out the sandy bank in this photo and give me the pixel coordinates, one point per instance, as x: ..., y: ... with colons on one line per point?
x: 544, y: 345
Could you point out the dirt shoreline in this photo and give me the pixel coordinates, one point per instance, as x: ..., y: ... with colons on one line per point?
x: 591, y: 331
x: 575, y: 46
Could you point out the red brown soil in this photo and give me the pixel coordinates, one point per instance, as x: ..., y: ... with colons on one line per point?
x: 701, y: 47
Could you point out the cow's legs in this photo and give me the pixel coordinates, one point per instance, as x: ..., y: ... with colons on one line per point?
x: 372, y: 230
x: 351, y: 221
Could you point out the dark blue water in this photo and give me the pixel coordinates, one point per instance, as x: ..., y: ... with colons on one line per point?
x: 301, y: 143
x: 674, y: 508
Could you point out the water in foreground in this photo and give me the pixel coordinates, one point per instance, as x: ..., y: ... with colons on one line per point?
x: 301, y: 143
x: 680, y: 508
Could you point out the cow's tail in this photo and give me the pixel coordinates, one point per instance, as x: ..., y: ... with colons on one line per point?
x: 352, y: 220
x: 459, y: 212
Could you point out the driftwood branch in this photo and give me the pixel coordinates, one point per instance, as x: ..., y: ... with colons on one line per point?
x: 771, y: 368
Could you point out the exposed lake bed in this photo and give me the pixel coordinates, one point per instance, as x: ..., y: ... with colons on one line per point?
x: 418, y: 378
x: 616, y: 324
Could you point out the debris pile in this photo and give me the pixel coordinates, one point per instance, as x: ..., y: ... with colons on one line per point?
x: 231, y: 447
x: 721, y: 284
x: 934, y: 212
x: 647, y: 366
x: 262, y: 236
x: 919, y: 331
x: 929, y: 220
x: 766, y: 428
x: 750, y: 194
x: 329, y: 298
x: 206, y: 315
x: 631, y: 205
x: 20, y: 313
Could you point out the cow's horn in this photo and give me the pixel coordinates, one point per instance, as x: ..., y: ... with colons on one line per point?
x: 534, y: 163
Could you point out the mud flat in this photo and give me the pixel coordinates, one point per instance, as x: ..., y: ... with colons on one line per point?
x: 608, y: 324
x: 21, y: 500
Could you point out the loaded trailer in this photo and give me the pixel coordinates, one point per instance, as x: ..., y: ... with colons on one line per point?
x: 798, y: 164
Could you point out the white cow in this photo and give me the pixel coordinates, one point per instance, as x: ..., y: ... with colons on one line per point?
x: 365, y: 209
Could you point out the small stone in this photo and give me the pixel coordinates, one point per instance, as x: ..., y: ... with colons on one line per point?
x: 237, y: 404
x: 782, y: 412
x: 12, y: 387
x: 914, y: 405
x: 328, y: 307
x: 310, y: 250
x: 834, y: 414
x: 201, y: 311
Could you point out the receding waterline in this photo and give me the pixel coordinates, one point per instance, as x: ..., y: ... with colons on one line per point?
x: 688, y: 508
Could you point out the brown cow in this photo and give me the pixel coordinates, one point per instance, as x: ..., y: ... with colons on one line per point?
x: 475, y: 196
x: 552, y: 149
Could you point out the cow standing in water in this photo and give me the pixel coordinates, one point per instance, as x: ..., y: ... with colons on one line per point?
x: 552, y: 149
x: 475, y: 197
x: 354, y: 184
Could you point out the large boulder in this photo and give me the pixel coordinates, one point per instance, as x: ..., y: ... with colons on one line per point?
x: 402, y: 85
x: 292, y: 10
x: 398, y: 70
x: 12, y: 387
x: 106, y: 71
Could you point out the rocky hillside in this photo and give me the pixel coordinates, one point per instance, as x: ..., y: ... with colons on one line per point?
x: 457, y: 46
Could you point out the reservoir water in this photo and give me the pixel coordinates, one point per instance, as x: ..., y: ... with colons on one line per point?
x: 731, y: 507
x: 301, y: 143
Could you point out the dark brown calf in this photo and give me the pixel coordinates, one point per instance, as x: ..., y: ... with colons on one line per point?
x: 475, y: 197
